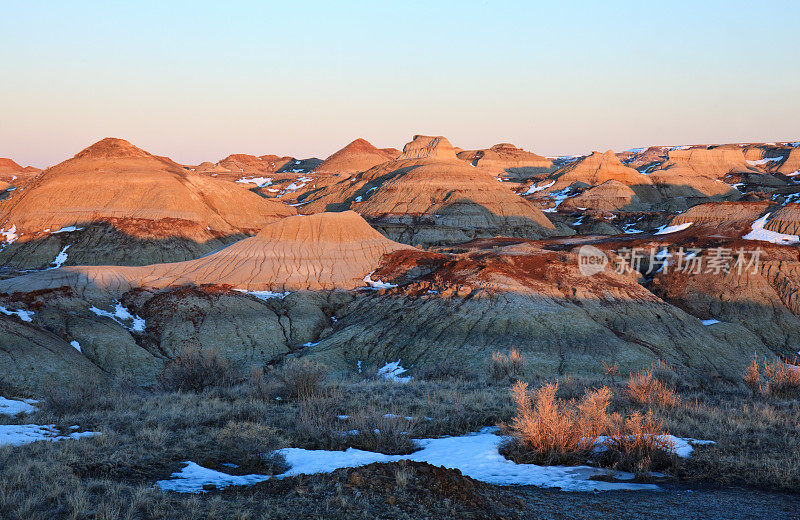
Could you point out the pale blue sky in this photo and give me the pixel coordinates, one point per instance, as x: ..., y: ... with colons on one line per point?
x: 200, y: 80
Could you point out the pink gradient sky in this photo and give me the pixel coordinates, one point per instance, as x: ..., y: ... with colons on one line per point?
x: 198, y: 80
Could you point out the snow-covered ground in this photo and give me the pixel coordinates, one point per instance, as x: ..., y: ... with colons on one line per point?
x: 373, y: 284
x: 664, y: 230
x: 122, y: 316
x: 20, y: 313
x: 265, y: 295
x: 19, y: 434
x: 709, y: 322
x: 534, y: 188
x: 762, y: 162
x: 759, y: 233
x: 14, y: 407
x: 61, y: 257
x: 393, y: 371
x: 476, y: 455
x: 258, y: 181
x: 67, y: 229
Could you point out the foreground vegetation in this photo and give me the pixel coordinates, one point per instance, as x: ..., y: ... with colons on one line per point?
x: 204, y: 413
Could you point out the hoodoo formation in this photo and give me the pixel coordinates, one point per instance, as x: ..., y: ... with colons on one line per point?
x: 120, y: 204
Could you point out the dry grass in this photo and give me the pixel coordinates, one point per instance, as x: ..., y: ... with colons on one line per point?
x: 504, y: 367
x: 779, y: 379
x: 195, y: 370
x: 611, y: 369
x: 548, y: 430
x: 299, y: 379
x: 752, y: 376
x: 546, y: 427
x: 646, y: 388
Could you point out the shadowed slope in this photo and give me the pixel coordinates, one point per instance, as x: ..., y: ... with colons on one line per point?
x: 141, y: 196
x: 323, y: 251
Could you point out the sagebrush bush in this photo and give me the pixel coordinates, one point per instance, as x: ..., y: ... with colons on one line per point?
x: 646, y: 388
x: 299, y: 378
x: 781, y: 379
x: 507, y: 366
x: 548, y: 430
x: 194, y: 370
x: 637, y: 444
x: 80, y: 396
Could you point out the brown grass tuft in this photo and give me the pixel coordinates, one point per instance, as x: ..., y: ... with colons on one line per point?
x: 645, y: 388
x: 300, y: 379
x: 194, y: 370
x: 781, y: 379
x: 507, y: 366
x: 611, y: 369
x: 752, y: 376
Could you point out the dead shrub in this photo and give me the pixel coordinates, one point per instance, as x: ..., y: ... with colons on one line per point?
x: 752, y: 376
x: 611, y: 369
x: 81, y: 396
x: 384, y: 433
x: 194, y: 370
x: 547, y: 430
x: 645, y: 388
x: 781, y: 379
x: 447, y: 370
x: 637, y: 444
x: 257, y: 386
x: 507, y: 366
x: 299, y: 379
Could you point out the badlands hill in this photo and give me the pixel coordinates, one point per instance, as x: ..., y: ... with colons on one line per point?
x: 508, y: 160
x: 441, y: 307
x: 316, y: 252
x: 12, y: 174
x: 358, y: 156
x: 116, y: 203
x: 429, y: 196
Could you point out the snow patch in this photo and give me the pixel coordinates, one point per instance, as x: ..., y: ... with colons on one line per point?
x: 476, y: 455
x: 14, y: 407
x: 19, y: 434
x: 66, y: 229
x: 759, y: 233
x: 258, y: 181
x: 61, y: 257
x: 393, y: 371
x: 76, y: 345
x: 762, y: 162
x: 376, y: 285
x: 709, y: 322
x: 665, y: 230
x: 122, y: 315
x: 21, y: 314
x: 9, y: 236
x: 534, y: 188
x: 265, y: 295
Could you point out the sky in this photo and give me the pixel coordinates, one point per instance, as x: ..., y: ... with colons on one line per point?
x: 200, y: 80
